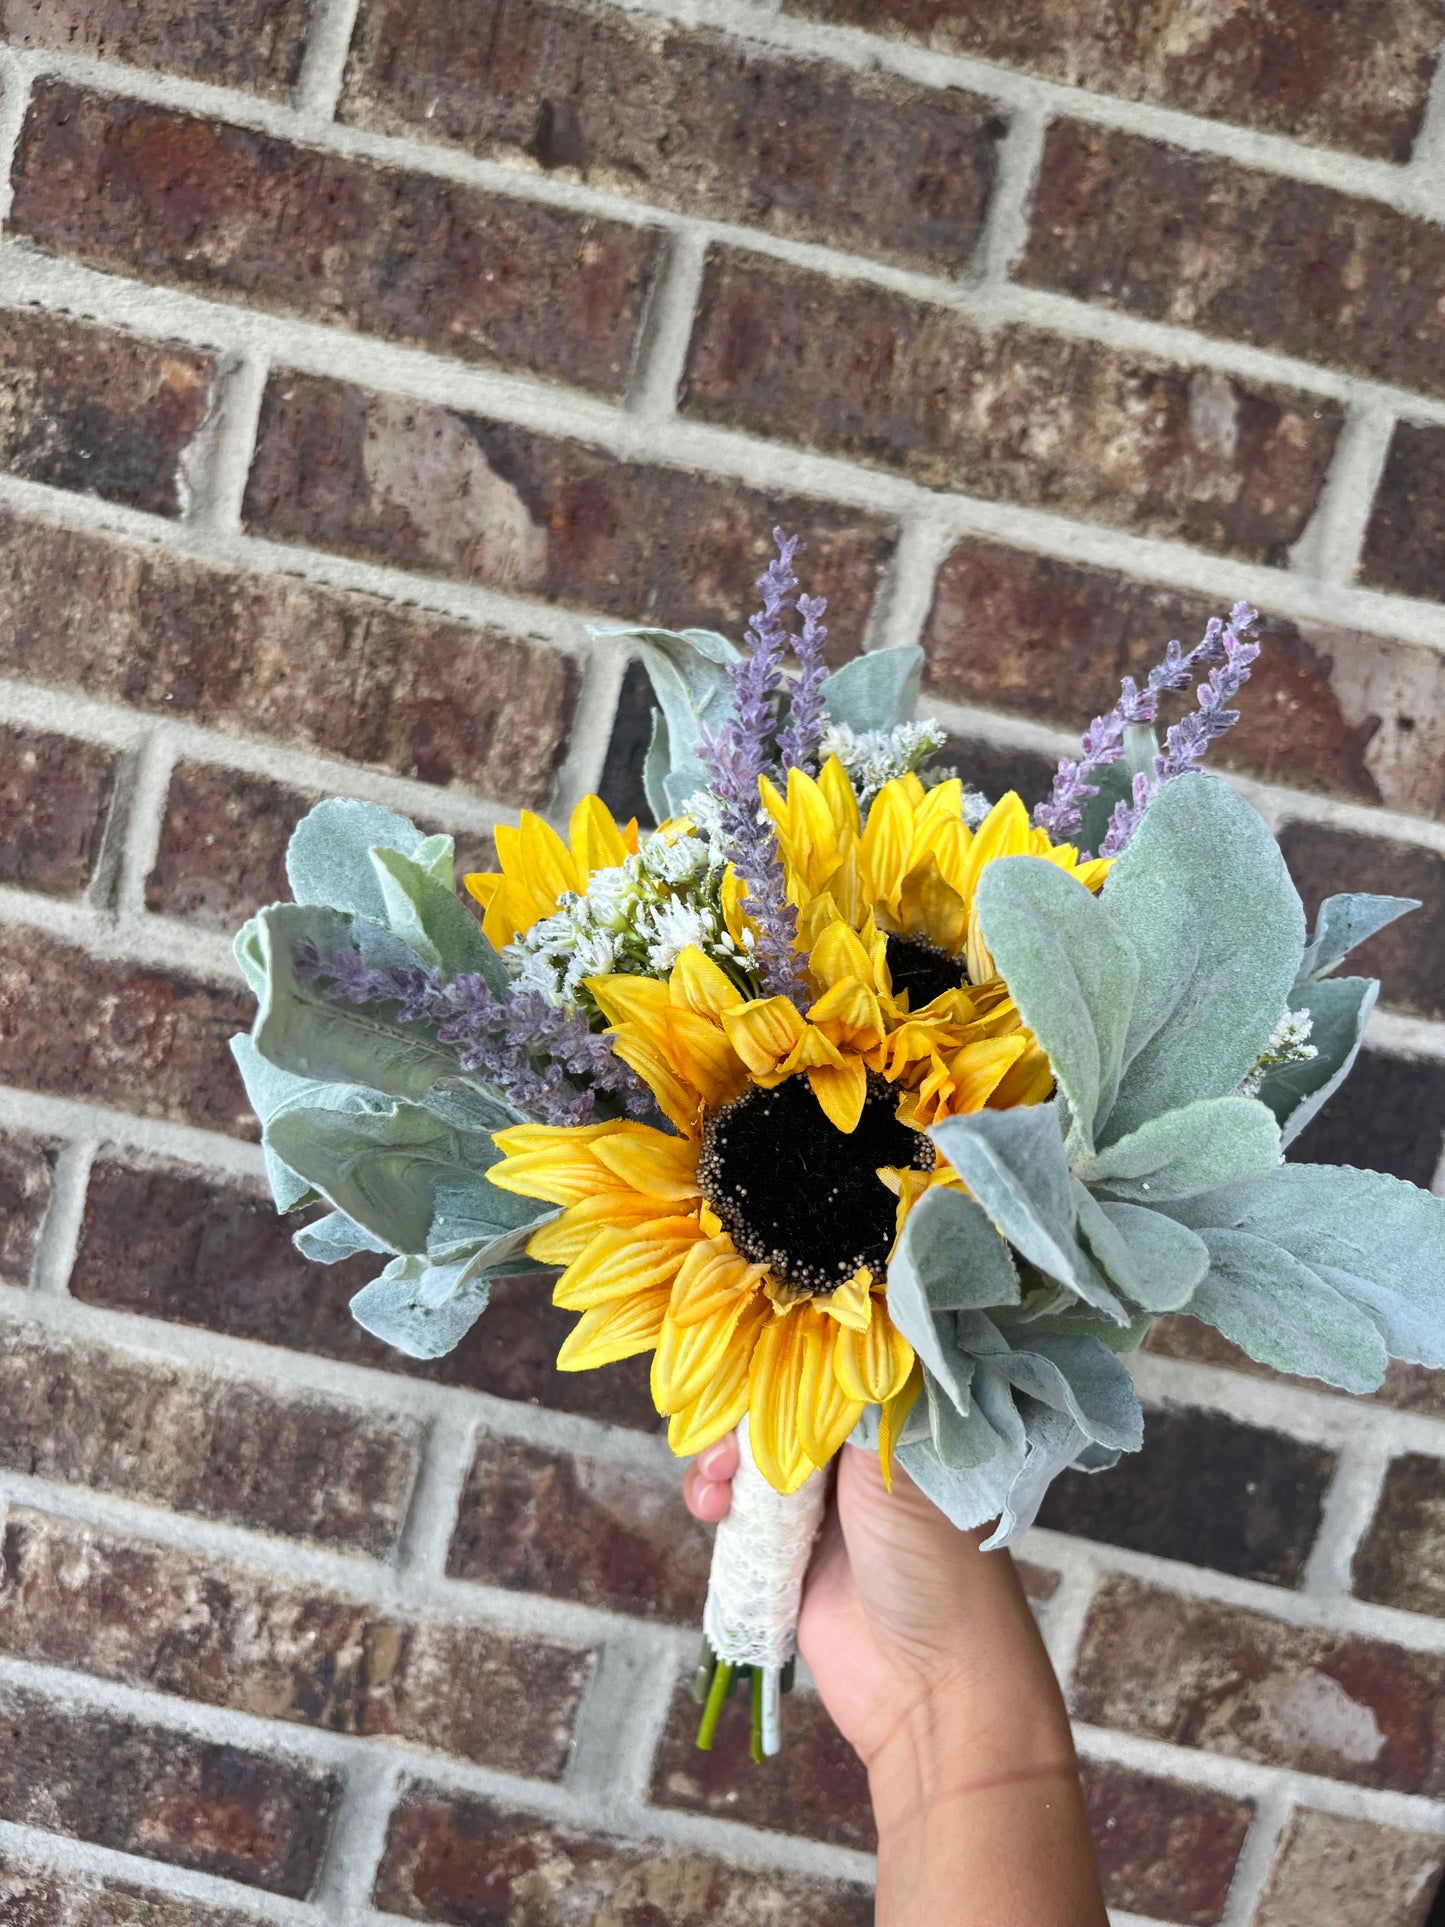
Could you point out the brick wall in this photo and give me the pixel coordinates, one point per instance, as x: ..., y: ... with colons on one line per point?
x: 350, y: 357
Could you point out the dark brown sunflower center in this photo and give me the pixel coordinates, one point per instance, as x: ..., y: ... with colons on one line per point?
x: 923, y: 969
x: 797, y: 1194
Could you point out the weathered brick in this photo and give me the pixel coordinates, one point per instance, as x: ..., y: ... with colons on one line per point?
x: 245, y: 43
x: 25, y: 1170
x: 1197, y: 1673
x: 473, y: 1863
x: 152, y: 1041
x: 222, y: 848
x: 1336, y: 1871
x: 54, y: 798
x: 1164, y: 1849
x: 997, y: 768
x: 223, y: 1635
x: 1389, y: 1115
x: 246, y: 217
x: 1254, y: 1497
x: 168, y: 1796
x: 404, y: 481
x: 686, y: 119
x: 817, y: 1785
x: 1404, y: 545
x: 1325, y: 708
x: 1401, y: 1561
x: 621, y: 786
x: 34, y: 1896
x: 1010, y: 413
x: 1354, y: 76
x: 1284, y: 264
x: 167, y: 1242
x: 1409, y: 956
x: 258, y: 655
x: 605, y: 1532
x: 274, y: 1460
x: 91, y: 409
x: 1408, y: 1388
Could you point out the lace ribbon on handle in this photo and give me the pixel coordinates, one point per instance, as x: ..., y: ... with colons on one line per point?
x: 759, y: 1561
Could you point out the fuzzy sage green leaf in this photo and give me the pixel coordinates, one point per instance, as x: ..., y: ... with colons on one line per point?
x: 1197, y: 1148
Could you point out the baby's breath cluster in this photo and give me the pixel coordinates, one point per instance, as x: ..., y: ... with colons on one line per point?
x: 636, y: 919
x: 875, y: 757
x: 1289, y: 1043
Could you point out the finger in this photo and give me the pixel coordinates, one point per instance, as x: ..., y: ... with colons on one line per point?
x: 706, y: 1499
x: 720, y: 1460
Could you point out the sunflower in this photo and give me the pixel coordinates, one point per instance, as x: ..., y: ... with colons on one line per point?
x: 747, y: 1251
x: 539, y: 869
x: 909, y: 874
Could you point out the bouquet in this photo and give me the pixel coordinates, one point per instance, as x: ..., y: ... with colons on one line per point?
x: 870, y: 1109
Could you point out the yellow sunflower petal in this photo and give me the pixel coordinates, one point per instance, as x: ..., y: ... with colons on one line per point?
x: 930, y: 907
x: 619, y: 1330
x: 484, y: 885
x: 733, y: 893
x: 851, y: 1305
x: 559, y: 1173
x: 519, y: 1138
x: 851, y: 1013
x: 689, y: 1357
x: 722, y: 1401
x: 677, y: 1098
x: 1029, y: 1081
x: 702, y: 1053
x: 546, y: 867
x: 651, y: 1162
x: 978, y: 1070
x: 701, y: 985
x: 597, y: 843
x: 624, y: 999
x: 841, y: 1090
x: 763, y: 1032
x: 886, y: 845
x: 1003, y: 832
x: 873, y: 1365
x: 567, y: 1237
x: 893, y: 1418
x: 712, y: 1274
x: 774, y: 1376
x: 621, y: 1261
x: 826, y: 1414
x: 842, y: 802
x: 840, y: 956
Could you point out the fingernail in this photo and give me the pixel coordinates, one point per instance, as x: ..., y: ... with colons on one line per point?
x: 714, y: 1502
x: 709, y: 1461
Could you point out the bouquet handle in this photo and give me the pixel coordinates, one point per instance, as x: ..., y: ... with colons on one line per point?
x: 750, y: 1622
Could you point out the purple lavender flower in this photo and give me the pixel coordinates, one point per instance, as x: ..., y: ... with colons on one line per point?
x: 1188, y: 739
x: 798, y: 744
x: 1103, y: 740
x: 545, y: 1061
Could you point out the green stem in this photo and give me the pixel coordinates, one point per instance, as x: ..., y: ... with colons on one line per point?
x: 722, y: 1680
x: 702, y: 1678
x: 755, y: 1743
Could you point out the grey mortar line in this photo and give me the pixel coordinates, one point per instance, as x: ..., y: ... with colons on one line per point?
x: 1350, y: 1505
x: 1329, y: 551
x: 14, y: 97
x: 64, y: 1219
x: 222, y: 454
x: 1256, y: 1858
x: 323, y: 65
x: 666, y: 330
x: 357, y: 1840
x: 36, y: 1849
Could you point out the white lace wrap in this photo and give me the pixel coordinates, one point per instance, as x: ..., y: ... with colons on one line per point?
x: 759, y: 1561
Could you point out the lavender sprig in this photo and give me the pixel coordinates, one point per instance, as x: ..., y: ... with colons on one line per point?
x: 1103, y: 741
x: 1188, y: 739
x: 741, y: 752
x: 526, y: 1048
x: 798, y: 744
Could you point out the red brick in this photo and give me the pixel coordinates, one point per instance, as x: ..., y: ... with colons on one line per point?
x: 245, y: 217
x: 1197, y: 1673
x: 473, y: 1863
x: 151, y: 1041
x: 1011, y: 413
x: 33, y: 1896
x: 403, y: 481
x: 168, y: 1796
x: 604, y: 1532
x: 1405, y: 541
x: 165, y: 1242
x: 245, y: 43
x: 1388, y: 1116
x: 1335, y: 1871
x: 262, y: 656
x: 274, y: 1460
x: 55, y: 796
x: 1355, y: 76
x: 684, y: 119
x: 25, y: 1171
x: 225, y: 1636
x: 1326, y: 708
x: 1401, y: 1561
x: 1255, y: 1497
x: 90, y: 409
x: 1408, y: 1388
x: 1179, y: 237
x: 1408, y: 957
x: 1163, y: 1848
x: 817, y: 1785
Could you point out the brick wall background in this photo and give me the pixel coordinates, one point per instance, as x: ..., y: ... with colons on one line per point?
x: 350, y: 357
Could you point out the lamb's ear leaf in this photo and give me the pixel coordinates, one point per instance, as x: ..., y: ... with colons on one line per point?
x: 1115, y: 782
x: 1343, y: 922
x: 876, y: 690
x: 1377, y: 1242
x: 421, y: 1309
x: 1013, y: 1163
x: 334, y: 1238
x: 1283, y: 1313
x: 432, y: 919
x: 1078, y: 1377
x: 1198, y: 1148
x: 1203, y: 896
x: 949, y: 1258
x: 1339, y: 1009
x: 1154, y: 1261
x: 271, y: 1091
x: 1070, y: 972
x: 655, y: 768
x: 328, y: 860
x: 688, y: 669
x: 1054, y: 1442
x: 246, y: 949
x: 301, y: 1030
